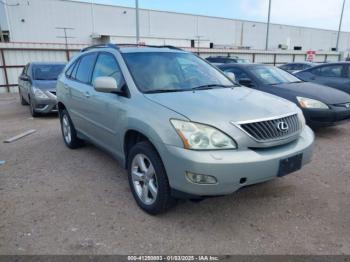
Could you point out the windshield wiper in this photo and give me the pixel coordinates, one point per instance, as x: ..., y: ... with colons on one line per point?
x: 164, y: 91
x: 207, y: 87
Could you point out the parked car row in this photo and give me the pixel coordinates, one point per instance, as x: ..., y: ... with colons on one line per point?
x: 182, y: 127
x: 322, y: 106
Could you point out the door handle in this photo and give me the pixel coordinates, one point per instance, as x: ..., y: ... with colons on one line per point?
x: 87, y: 95
x: 65, y: 86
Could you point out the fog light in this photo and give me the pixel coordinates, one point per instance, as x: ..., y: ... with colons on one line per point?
x: 201, y: 179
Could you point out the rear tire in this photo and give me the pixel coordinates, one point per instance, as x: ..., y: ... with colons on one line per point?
x: 69, y: 133
x: 148, y: 179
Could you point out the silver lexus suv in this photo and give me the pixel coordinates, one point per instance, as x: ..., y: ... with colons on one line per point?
x: 181, y: 127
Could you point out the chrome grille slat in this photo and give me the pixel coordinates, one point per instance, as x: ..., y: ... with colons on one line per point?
x: 267, y: 131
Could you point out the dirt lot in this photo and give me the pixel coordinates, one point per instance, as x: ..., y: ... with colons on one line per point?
x: 57, y: 201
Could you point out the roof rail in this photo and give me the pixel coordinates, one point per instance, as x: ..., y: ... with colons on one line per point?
x: 165, y: 46
x: 99, y: 46
x: 154, y: 46
x: 117, y: 46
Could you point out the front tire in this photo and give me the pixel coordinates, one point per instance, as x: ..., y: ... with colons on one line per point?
x: 148, y: 179
x: 23, y: 102
x: 68, y: 131
x: 32, y: 109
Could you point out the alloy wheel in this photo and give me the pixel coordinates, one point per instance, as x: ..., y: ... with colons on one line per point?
x: 144, y: 179
x: 66, y: 129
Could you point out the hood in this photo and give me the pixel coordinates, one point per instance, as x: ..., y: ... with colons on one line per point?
x: 322, y: 93
x: 217, y: 106
x: 47, y: 85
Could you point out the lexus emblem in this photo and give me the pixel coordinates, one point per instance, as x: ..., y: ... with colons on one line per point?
x: 347, y: 105
x: 282, y: 126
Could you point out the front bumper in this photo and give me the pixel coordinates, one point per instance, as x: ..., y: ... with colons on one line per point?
x: 229, y: 167
x: 47, y: 105
x: 322, y: 118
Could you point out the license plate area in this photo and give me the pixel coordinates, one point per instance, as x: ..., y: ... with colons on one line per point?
x: 290, y: 165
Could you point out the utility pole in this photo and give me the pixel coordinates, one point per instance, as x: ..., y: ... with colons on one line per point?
x: 92, y: 17
x: 340, y: 24
x: 137, y: 22
x: 198, y: 43
x: 4, y: 2
x: 2, y: 38
x: 66, y: 37
x: 268, y: 27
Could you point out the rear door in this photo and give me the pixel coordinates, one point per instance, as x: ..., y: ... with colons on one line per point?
x: 79, y: 87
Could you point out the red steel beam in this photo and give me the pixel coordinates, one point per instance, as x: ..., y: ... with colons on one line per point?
x: 5, y: 69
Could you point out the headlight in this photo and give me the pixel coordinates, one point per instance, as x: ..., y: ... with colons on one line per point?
x: 311, y: 103
x: 39, y: 94
x: 202, y: 137
x: 301, y: 119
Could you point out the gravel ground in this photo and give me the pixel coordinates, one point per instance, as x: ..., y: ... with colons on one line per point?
x: 59, y: 201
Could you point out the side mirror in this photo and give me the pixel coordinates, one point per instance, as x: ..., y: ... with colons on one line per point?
x: 231, y: 76
x: 246, y: 82
x: 25, y: 78
x: 106, y: 84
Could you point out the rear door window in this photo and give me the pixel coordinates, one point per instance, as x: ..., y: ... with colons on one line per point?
x: 329, y: 71
x: 25, y: 69
x: 70, y: 69
x: 84, y: 70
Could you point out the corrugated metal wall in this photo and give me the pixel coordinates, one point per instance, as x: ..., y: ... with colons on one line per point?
x: 18, y: 55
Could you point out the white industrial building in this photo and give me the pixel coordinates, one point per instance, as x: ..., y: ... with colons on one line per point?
x: 39, y: 20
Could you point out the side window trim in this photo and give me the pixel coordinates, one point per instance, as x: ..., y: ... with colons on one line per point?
x: 71, y: 67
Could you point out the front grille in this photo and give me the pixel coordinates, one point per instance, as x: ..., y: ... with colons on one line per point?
x: 275, y: 129
x: 345, y: 105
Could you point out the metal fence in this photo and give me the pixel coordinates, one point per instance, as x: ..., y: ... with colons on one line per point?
x: 14, y: 56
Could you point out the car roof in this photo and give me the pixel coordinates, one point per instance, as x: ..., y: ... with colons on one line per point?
x: 332, y: 63
x: 221, y: 56
x: 47, y: 63
x: 250, y: 65
x: 303, y: 62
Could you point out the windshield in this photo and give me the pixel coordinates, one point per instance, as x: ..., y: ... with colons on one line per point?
x: 272, y: 75
x: 47, y: 72
x: 242, y: 61
x: 170, y: 71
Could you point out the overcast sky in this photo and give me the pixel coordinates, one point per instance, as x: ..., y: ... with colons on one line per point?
x: 312, y: 13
